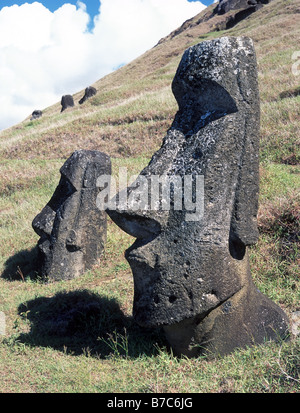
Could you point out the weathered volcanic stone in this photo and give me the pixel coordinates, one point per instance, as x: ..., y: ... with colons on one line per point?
x: 225, y: 6
x: 192, y: 276
x: 89, y: 92
x: 67, y: 101
x: 244, y: 8
x: 71, y: 227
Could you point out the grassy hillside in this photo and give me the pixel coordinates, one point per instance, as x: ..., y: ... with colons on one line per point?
x: 104, y: 351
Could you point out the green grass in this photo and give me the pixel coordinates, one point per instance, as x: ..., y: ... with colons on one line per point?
x: 278, y: 180
x: 280, y: 131
x: 79, y: 335
x: 264, y: 369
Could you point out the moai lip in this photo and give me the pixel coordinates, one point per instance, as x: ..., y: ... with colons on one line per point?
x: 72, y: 229
x: 191, y: 272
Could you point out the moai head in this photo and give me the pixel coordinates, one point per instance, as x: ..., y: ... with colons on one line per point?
x: 89, y: 92
x: 71, y: 227
x: 189, y: 261
x: 67, y: 101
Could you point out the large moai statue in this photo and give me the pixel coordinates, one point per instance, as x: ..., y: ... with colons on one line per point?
x: 190, y: 266
x: 72, y: 228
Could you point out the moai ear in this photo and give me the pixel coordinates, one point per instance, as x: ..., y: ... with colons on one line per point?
x: 200, y: 103
x: 244, y: 228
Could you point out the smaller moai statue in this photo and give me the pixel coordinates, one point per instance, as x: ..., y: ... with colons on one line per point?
x: 72, y: 229
x: 89, y: 92
x: 67, y: 101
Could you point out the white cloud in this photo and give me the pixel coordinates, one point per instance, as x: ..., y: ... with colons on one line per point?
x: 44, y: 55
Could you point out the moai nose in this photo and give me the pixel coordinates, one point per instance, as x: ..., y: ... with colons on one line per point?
x: 43, y: 222
x: 131, y: 211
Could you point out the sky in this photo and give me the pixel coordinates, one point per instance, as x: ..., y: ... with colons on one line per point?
x: 49, y: 48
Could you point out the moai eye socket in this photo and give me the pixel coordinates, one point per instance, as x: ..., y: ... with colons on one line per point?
x: 201, y: 104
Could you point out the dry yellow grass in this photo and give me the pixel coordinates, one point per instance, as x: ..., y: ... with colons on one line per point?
x: 135, y: 104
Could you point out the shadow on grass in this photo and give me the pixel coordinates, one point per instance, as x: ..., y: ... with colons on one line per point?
x: 80, y: 322
x: 24, y: 264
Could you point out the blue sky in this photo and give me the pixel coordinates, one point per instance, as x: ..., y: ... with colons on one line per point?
x: 49, y: 48
x: 91, y: 5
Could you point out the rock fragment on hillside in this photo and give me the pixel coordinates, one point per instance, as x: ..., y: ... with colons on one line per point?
x: 190, y: 259
x: 67, y: 101
x: 72, y: 229
x: 89, y: 92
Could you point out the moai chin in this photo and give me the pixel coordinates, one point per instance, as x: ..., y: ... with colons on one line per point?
x: 192, y: 276
x: 72, y: 229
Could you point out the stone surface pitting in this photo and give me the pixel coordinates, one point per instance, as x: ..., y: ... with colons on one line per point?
x: 193, y: 278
